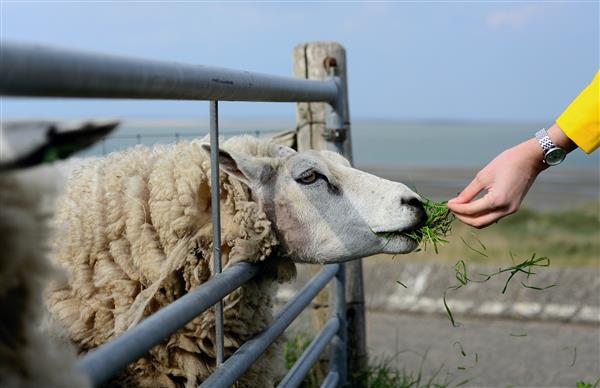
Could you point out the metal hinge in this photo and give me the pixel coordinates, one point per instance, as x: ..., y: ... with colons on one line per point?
x: 335, y: 134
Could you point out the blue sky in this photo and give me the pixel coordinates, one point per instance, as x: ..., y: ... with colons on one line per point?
x: 488, y: 61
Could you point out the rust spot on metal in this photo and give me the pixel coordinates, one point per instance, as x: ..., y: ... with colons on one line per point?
x: 329, y: 62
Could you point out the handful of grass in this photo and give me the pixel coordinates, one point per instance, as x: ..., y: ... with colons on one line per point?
x: 437, y: 227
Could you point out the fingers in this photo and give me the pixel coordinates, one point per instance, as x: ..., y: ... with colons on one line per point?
x: 483, y: 220
x: 482, y: 205
x: 482, y: 212
x: 474, y: 188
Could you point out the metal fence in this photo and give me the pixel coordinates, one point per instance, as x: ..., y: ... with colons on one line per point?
x: 146, y: 138
x: 38, y: 71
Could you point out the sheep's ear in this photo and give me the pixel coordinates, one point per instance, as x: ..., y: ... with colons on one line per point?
x: 247, y: 169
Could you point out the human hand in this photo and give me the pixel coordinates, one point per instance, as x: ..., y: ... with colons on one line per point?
x: 506, y: 179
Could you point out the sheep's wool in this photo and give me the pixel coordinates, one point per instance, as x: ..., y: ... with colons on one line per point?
x: 29, y: 357
x: 136, y: 234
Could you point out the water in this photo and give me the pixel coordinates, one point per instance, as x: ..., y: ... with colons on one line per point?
x: 375, y: 142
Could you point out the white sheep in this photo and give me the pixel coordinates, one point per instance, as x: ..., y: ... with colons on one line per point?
x: 28, y: 356
x: 136, y: 234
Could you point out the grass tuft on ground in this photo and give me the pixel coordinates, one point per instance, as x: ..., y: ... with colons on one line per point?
x: 380, y: 373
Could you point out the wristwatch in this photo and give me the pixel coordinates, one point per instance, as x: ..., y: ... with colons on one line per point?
x: 553, y: 154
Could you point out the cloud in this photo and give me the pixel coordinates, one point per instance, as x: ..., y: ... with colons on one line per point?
x: 513, y: 18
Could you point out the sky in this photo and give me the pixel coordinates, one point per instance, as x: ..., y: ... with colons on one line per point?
x: 474, y: 61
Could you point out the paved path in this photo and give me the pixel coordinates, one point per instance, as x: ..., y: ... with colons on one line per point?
x: 542, y: 358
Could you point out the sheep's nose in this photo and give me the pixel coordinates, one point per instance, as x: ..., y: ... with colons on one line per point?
x: 417, y: 206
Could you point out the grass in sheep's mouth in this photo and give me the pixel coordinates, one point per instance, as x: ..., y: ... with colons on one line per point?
x: 437, y: 227
x: 435, y: 230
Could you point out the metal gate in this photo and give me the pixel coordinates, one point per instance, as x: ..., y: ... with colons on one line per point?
x: 39, y: 71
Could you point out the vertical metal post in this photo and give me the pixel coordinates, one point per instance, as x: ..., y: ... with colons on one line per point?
x: 335, y: 141
x: 335, y: 134
x: 216, y: 220
x: 338, y: 358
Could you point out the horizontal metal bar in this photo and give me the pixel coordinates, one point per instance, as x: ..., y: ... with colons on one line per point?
x: 310, y: 356
x: 331, y: 380
x: 188, y: 134
x: 104, y: 362
x: 32, y: 70
x: 235, y: 366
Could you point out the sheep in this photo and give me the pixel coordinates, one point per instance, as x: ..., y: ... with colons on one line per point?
x: 136, y: 234
x: 28, y: 356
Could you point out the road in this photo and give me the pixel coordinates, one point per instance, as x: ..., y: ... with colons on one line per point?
x: 509, y: 352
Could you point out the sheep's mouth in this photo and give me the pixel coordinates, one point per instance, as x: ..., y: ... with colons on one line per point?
x: 398, y: 241
x: 433, y: 230
x: 412, y: 234
x: 411, y: 231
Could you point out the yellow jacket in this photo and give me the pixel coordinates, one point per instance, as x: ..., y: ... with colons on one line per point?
x: 581, y: 120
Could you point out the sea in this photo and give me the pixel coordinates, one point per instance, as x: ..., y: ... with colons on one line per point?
x: 385, y: 143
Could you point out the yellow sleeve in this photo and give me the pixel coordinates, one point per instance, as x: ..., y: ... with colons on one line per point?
x: 581, y: 120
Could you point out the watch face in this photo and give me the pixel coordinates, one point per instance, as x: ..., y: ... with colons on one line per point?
x: 555, y: 155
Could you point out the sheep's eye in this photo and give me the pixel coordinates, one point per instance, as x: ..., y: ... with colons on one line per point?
x: 308, y: 179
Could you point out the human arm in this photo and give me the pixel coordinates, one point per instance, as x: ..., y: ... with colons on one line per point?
x: 509, y: 176
x: 507, y: 180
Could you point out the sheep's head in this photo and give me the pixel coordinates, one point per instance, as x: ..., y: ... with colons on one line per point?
x: 322, y: 209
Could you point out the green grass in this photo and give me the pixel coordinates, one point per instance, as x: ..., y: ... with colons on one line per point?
x: 292, y: 351
x: 569, y: 237
x: 525, y: 268
x: 583, y: 384
x: 572, y: 235
x: 379, y: 374
x: 437, y: 227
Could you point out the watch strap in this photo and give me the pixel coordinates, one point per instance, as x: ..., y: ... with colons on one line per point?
x: 544, y: 140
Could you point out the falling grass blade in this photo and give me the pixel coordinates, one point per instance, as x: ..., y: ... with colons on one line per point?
x: 525, y: 267
x: 538, y: 288
x: 460, y: 269
x: 462, y: 351
x: 448, y: 311
x: 483, y: 247
x: 400, y: 283
x: 473, y: 249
